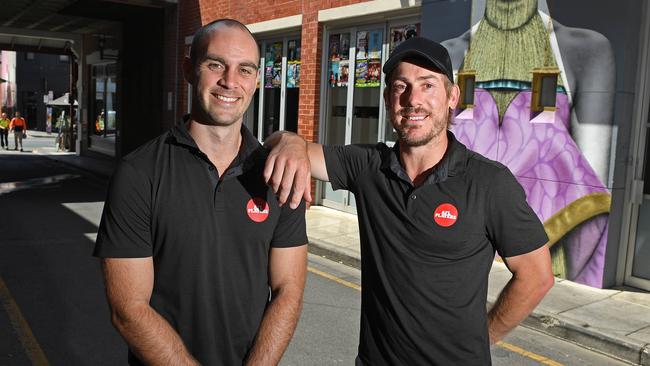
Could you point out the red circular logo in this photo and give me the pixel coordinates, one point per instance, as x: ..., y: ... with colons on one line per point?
x: 445, y: 215
x: 257, y: 209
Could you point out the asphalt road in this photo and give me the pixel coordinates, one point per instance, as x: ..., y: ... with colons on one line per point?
x: 53, y: 310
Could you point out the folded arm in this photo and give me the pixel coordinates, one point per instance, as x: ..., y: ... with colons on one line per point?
x: 532, y: 279
x: 129, y: 284
x: 290, y: 166
x: 287, y: 271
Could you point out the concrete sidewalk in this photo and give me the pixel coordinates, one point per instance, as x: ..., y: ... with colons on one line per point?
x: 614, y: 322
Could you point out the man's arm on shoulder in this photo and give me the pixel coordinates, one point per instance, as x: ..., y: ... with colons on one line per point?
x: 287, y: 272
x: 291, y: 164
x: 129, y: 284
x: 532, y: 278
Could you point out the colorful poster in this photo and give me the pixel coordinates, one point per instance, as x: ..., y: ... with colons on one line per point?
x: 402, y: 33
x: 293, y: 50
x: 361, y: 74
x: 344, y: 70
x: 339, y: 50
x: 374, y: 73
x: 268, y: 76
x: 334, y: 73
x: 293, y: 74
x: 362, y: 45
x: 374, y: 44
x: 334, y: 47
x: 345, y: 46
x: 273, y: 65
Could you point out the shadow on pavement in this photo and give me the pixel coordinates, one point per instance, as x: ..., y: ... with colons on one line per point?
x: 46, y: 242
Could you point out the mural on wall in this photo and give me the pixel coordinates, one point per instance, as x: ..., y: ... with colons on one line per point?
x: 559, y: 152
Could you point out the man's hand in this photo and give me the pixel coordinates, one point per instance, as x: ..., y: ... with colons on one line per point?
x: 531, y: 280
x: 287, y: 168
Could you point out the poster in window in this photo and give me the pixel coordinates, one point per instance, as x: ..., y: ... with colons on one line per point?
x: 345, y: 46
x: 293, y: 63
x: 361, y: 73
x: 368, y: 59
x: 273, y: 66
x: 374, y: 45
x: 334, y: 47
x: 293, y: 50
x: 344, y: 70
x: 293, y: 74
x: 334, y: 73
x: 362, y: 45
x: 402, y: 33
x: 374, y: 73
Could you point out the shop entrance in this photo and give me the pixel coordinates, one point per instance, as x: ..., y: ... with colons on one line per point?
x: 275, y: 104
x: 353, y: 111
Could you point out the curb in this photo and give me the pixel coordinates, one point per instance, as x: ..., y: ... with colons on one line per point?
x: 325, y: 250
x: 626, y: 350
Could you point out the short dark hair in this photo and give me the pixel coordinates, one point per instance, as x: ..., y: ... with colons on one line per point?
x: 197, y: 50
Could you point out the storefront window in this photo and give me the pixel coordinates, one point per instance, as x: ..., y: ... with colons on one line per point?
x: 353, y: 107
x: 275, y: 104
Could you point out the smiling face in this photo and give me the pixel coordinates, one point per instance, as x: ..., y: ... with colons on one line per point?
x: 224, y: 77
x: 418, y: 102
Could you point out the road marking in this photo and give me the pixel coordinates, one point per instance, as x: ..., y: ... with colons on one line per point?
x: 541, y: 359
x: 511, y: 347
x: 334, y: 278
x: 21, y: 327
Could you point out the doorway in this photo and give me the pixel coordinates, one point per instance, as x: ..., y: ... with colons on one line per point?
x: 353, y: 109
x: 275, y: 104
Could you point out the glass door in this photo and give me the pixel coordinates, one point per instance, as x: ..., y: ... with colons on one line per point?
x: 353, y: 111
x: 337, y: 107
x: 275, y: 103
x: 638, y: 270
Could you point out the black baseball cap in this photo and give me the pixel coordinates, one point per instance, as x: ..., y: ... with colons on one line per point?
x: 424, y: 48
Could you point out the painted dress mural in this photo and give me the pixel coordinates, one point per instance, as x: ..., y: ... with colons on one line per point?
x: 563, y: 187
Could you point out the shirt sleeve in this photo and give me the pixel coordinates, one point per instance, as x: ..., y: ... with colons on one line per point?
x: 291, y: 230
x: 512, y: 226
x: 345, y: 163
x: 124, y: 230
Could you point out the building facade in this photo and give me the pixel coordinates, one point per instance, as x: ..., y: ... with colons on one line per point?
x: 579, y: 152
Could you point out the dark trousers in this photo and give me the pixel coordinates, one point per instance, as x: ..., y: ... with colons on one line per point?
x: 4, y: 137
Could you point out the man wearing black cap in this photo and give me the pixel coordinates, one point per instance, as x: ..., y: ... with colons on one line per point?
x: 431, y: 216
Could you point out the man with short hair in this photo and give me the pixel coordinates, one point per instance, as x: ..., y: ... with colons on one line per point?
x: 201, y: 264
x: 19, y: 126
x: 431, y: 216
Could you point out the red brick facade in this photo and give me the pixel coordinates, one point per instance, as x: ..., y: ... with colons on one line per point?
x: 194, y: 13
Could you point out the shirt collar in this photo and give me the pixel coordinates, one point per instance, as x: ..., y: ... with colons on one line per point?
x: 250, y: 150
x: 453, y: 162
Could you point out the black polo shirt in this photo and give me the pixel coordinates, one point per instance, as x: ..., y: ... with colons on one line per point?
x: 209, y: 237
x: 427, y: 251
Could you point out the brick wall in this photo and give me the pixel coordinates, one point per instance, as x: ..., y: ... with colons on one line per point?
x: 194, y: 13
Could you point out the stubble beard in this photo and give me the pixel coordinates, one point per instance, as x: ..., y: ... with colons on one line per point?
x: 439, y: 126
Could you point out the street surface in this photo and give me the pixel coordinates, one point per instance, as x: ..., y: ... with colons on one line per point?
x: 53, y: 310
